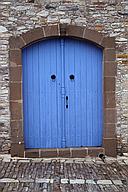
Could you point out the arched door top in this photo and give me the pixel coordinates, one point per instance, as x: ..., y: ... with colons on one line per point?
x: 61, y: 30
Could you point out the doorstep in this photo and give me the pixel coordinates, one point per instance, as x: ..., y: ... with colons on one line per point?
x: 81, y: 152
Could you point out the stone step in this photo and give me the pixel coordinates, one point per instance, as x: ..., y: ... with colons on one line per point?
x: 81, y: 152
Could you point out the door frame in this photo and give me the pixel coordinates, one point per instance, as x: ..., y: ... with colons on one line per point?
x: 109, y: 77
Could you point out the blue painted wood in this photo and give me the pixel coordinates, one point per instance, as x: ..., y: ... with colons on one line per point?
x: 42, y: 95
x: 63, y: 137
x: 84, y: 116
x: 62, y: 112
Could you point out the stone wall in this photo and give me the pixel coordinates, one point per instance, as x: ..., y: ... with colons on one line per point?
x: 105, y: 16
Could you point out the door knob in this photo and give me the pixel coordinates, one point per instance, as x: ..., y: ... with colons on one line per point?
x: 53, y: 77
x: 72, y: 77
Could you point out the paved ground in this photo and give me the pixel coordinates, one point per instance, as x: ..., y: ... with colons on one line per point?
x: 63, y: 175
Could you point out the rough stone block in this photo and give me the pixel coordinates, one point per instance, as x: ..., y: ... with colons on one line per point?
x: 110, y: 130
x: 95, y: 151
x: 104, y: 182
x: 110, y: 115
x: 15, y: 74
x: 15, y: 57
x: 79, y: 152
x: 34, y: 153
x: 117, y: 182
x: 51, y: 31
x: 16, y: 42
x: 48, y: 153
x: 109, y: 55
x: 75, y: 31
x: 64, y: 181
x: 109, y: 83
x: 15, y: 91
x: 109, y: 100
x: 16, y: 110
x: 110, y: 146
x: 33, y: 35
x: 110, y: 69
x: 17, y: 149
x: 90, y: 181
x: 64, y: 153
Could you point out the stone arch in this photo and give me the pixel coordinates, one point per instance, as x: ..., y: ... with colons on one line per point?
x: 109, y: 74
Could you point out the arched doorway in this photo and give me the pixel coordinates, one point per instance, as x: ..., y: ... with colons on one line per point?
x: 17, y: 44
x: 62, y: 94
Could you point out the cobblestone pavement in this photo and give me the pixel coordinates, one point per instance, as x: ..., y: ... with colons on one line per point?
x: 63, y: 175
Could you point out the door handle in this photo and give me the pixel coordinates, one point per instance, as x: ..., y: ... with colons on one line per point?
x: 53, y: 77
x: 72, y: 77
x: 67, y: 102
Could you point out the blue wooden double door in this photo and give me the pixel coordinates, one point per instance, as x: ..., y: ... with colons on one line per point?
x: 62, y: 94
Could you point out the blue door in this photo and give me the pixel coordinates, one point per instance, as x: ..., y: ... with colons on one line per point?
x: 62, y: 94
